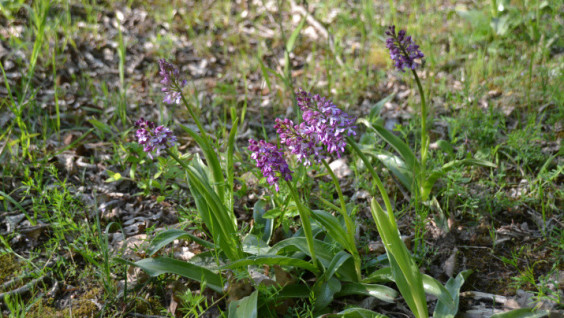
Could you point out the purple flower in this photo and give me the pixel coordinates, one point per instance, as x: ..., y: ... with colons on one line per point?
x: 322, y: 131
x: 170, y: 80
x: 271, y: 161
x: 153, y: 138
x: 299, y: 141
x: 403, y: 50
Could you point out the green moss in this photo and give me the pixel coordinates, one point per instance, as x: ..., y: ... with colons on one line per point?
x: 8, y: 267
x: 81, y: 307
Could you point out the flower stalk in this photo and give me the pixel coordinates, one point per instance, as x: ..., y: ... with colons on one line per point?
x: 305, y: 216
x: 424, y: 135
x: 349, y: 224
x: 405, y: 53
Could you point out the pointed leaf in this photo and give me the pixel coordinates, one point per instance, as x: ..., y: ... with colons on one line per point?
x: 167, y: 236
x: 406, y: 274
x: 356, y: 312
x: 294, y: 291
x: 230, y: 169
x: 294, y: 36
x: 443, y: 310
x: 375, y: 111
x: 212, y: 163
x: 161, y: 265
x: 252, y: 244
x: 245, y: 307
x: 398, y: 168
x: 522, y: 313
x: 258, y: 260
x: 325, y: 292
x: 267, y: 224
x: 381, y: 292
x: 322, y: 249
x: 337, y: 261
x: 383, y: 275
x: 401, y: 147
x: 430, y: 285
x: 333, y: 227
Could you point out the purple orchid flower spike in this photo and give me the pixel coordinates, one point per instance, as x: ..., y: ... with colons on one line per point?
x: 403, y: 50
x: 322, y: 132
x: 153, y: 138
x: 172, y: 85
x: 271, y: 161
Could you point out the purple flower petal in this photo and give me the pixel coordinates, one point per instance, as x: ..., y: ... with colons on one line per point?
x: 153, y: 138
x: 403, y: 51
x: 271, y: 161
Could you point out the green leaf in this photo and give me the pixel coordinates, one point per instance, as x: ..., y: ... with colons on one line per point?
x: 100, y: 126
x: 435, y: 288
x: 355, y: 312
x: 254, y: 245
x: 404, y: 270
x: 245, y: 307
x: 381, y: 292
x: 375, y: 111
x: 432, y: 178
x: 522, y: 313
x: 396, y: 143
x: 501, y: 25
x: 430, y: 182
x: 167, y: 236
x: 18, y: 205
x: 325, y: 292
x: 337, y: 261
x: 322, y: 249
x: 468, y: 162
x: 259, y: 260
x: 430, y: 285
x: 267, y: 224
x: 294, y: 36
x: 215, y: 215
x: 265, y: 72
x: 272, y: 213
x: 333, y: 227
x: 230, y: 169
x: 443, y: 310
x: 213, y: 164
x: 294, y: 291
x: 398, y: 168
x: 114, y: 176
x: 383, y: 275
x: 161, y: 265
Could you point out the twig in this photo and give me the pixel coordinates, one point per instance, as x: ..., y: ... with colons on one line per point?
x: 24, y: 289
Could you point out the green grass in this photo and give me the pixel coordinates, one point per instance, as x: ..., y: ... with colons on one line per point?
x: 493, y: 93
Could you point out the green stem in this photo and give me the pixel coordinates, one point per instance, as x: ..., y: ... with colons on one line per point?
x: 376, y: 178
x: 348, y: 221
x: 175, y: 157
x: 424, y: 136
x: 217, y: 174
x: 306, y: 223
x: 194, y: 117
